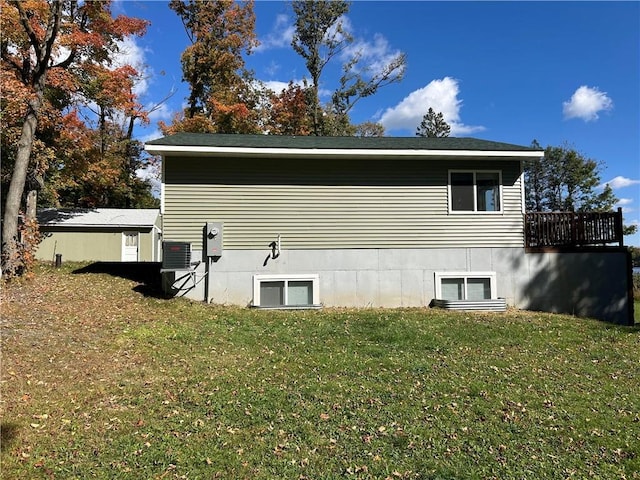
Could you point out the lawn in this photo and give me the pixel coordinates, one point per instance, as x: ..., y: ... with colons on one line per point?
x: 102, y: 379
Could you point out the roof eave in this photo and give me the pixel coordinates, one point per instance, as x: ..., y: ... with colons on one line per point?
x: 95, y: 225
x: 171, y: 150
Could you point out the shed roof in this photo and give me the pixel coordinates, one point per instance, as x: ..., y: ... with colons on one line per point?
x: 335, y: 143
x: 99, y: 217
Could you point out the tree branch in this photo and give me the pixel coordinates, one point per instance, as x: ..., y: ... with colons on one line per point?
x: 24, y: 20
x: 51, y: 35
x: 11, y: 62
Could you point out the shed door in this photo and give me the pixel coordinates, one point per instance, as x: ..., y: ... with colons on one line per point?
x: 130, y: 242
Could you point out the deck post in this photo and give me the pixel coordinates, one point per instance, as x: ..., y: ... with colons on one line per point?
x: 619, y: 227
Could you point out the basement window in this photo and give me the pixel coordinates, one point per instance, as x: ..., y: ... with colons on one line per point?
x: 465, y: 285
x: 286, y: 291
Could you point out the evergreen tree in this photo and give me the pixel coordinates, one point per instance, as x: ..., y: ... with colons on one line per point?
x: 433, y: 125
x: 565, y: 180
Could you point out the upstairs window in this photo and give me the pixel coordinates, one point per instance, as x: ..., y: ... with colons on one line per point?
x: 475, y: 191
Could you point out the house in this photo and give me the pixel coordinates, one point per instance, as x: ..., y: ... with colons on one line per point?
x: 290, y: 222
x: 100, y: 234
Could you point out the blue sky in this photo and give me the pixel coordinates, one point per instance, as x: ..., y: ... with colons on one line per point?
x: 558, y: 72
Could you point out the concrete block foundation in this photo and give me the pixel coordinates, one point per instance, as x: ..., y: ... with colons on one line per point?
x: 587, y: 284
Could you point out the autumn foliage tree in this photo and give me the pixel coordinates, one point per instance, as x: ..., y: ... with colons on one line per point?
x: 49, y: 50
x: 291, y: 111
x: 222, y: 96
x: 109, y: 107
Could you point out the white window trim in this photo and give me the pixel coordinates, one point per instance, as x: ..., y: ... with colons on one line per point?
x: 475, y: 210
x: 438, y: 276
x: 162, y: 187
x: 314, y: 278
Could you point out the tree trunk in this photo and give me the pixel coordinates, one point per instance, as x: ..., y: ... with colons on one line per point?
x: 11, y: 259
x: 316, y: 104
x: 10, y: 252
x: 31, y: 209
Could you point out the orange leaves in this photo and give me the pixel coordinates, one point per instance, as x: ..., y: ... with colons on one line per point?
x: 74, y: 134
x: 85, y: 38
x: 125, y: 26
x: 38, y: 16
x: 233, y: 117
x: 180, y: 123
x: 214, y: 66
x: 80, y: 75
x: 223, y: 118
x: 238, y: 110
x: 15, y: 96
x: 290, y: 113
x: 111, y: 88
x: 62, y: 79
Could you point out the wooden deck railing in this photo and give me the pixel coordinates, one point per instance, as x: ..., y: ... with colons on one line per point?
x: 572, y: 229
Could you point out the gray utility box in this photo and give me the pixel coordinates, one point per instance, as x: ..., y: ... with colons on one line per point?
x: 176, y: 255
x: 212, y: 240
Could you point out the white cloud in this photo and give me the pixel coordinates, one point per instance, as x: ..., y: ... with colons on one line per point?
x: 130, y: 53
x: 586, y: 103
x: 154, y: 135
x: 624, y: 201
x: 441, y: 95
x: 160, y: 112
x: 279, y: 36
x: 376, y: 54
x: 151, y: 173
x: 272, y: 69
x: 620, y: 182
x: 341, y: 29
x: 277, y: 86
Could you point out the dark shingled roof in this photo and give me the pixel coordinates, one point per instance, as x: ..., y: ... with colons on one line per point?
x: 313, y: 142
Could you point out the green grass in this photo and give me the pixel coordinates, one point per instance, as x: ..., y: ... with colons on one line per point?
x: 100, y: 381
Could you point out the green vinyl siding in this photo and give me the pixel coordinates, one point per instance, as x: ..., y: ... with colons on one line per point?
x: 81, y: 245
x: 148, y: 245
x: 334, y: 203
x: 91, y: 244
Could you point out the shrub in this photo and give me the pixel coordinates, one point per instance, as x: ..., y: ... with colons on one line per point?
x: 29, y: 237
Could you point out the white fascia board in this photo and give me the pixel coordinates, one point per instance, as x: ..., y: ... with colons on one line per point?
x: 338, y: 152
x: 118, y: 226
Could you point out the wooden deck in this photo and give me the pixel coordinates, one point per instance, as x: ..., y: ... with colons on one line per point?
x: 573, y: 229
